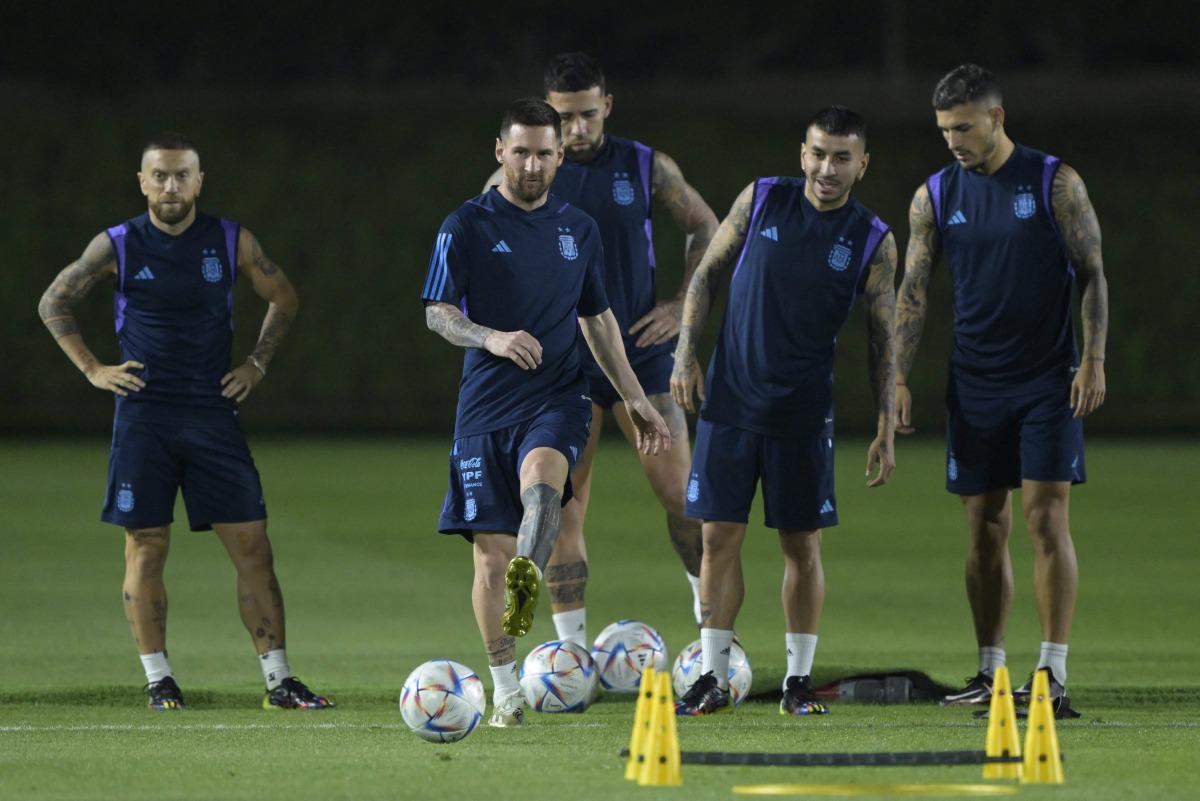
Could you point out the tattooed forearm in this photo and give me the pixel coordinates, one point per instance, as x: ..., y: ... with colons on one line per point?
x: 454, y: 326
x: 274, y: 328
x: 880, y: 297
x: 924, y: 244
x: 1080, y: 229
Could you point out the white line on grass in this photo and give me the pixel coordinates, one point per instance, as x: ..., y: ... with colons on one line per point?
x: 226, y: 726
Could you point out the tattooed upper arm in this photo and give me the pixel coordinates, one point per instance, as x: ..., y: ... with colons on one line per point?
x: 1076, y: 219
x: 75, y: 282
x: 1081, y: 236
x: 726, y: 243
x: 924, y: 245
x: 681, y: 200
x: 880, y: 296
x: 267, y: 278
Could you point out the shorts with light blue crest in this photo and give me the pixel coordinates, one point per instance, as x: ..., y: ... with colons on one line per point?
x: 485, y: 469
x: 796, y: 474
x: 151, y: 461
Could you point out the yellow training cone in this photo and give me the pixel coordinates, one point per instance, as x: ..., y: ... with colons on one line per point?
x: 641, y: 725
x: 1043, y: 761
x: 1002, y: 737
x: 661, y: 767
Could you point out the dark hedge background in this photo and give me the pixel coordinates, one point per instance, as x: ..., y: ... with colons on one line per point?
x: 342, y: 140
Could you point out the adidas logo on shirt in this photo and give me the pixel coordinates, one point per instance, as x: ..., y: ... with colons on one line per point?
x: 958, y: 218
x: 771, y: 233
x: 144, y: 274
x: 827, y: 507
x: 502, y: 247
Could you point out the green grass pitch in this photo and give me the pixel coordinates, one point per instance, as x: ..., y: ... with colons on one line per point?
x: 372, y: 590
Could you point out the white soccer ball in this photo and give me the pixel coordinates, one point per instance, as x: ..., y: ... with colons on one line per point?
x: 625, y: 649
x: 689, y: 666
x: 442, y: 701
x: 559, y: 676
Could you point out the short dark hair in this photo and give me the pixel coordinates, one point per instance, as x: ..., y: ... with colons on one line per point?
x: 170, y: 140
x: 572, y: 72
x: 533, y: 112
x: 966, y: 83
x: 839, y: 121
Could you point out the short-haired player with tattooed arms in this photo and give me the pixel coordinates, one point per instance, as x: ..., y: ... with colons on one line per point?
x: 516, y: 279
x: 1017, y: 229
x: 801, y: 251
x: 173, y: 271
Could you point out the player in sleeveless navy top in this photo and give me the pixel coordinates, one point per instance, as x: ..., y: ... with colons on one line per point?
x: 516, y: 279
x: 1017, y: 230
x: 618, y: 182
x: 801, y: 251
x: 175, y: 427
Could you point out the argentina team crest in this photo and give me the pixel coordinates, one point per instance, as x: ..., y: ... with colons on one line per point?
x: 210, y: 265
x: 469, y: 510
x: 566, y: 245
x: 125, y: 498
x: 839, y: 256
x: 622, y: 189
x: 1024, y: 204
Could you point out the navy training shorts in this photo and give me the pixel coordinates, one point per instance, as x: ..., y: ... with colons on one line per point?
x: 485, y: 469
x: 151, y: 461
x: 796, y: 475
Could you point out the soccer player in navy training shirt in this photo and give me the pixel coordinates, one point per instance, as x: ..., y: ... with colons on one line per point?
x: 516, y: 278
x: 618, y: 181
x: 801, y: 250
x: 1017, y: 228
x: 175, y: 426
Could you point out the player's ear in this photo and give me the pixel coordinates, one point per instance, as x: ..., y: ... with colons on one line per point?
x: 608, y: 105
x: 199, y: 182
x: 862, y: 169
x: 499, y: 150
x: 997, y: 114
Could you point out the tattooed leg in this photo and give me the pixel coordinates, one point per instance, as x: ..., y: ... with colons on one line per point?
x: 260, y: 601
x: 566, y: 583
x: 144, y: 593
x: 540, y: 525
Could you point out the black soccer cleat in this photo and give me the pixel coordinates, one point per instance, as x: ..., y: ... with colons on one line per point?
x: 799, y: 698
x: 165, y: 695
x: 293, y: 694
x: 977, y: 691
x: 704, y: 697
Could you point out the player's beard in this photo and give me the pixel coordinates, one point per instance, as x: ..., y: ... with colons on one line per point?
x: 525, y: 191
x: 173, y: 213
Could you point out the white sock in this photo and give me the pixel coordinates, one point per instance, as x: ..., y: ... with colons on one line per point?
x: 274, y: 667
x: 1054, y: 656
x: 716, y: 644
x: 990, y: 658
x: 801, y: 648
x: 156, y: 666
x: 572, y: 626
x: 695, y: 582
x: 504, y: 680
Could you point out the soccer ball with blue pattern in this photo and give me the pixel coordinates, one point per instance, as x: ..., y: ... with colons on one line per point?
x: 689, y: 665
x: 623, y: 650
x: 559, y: 676
x: 442, y: 701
